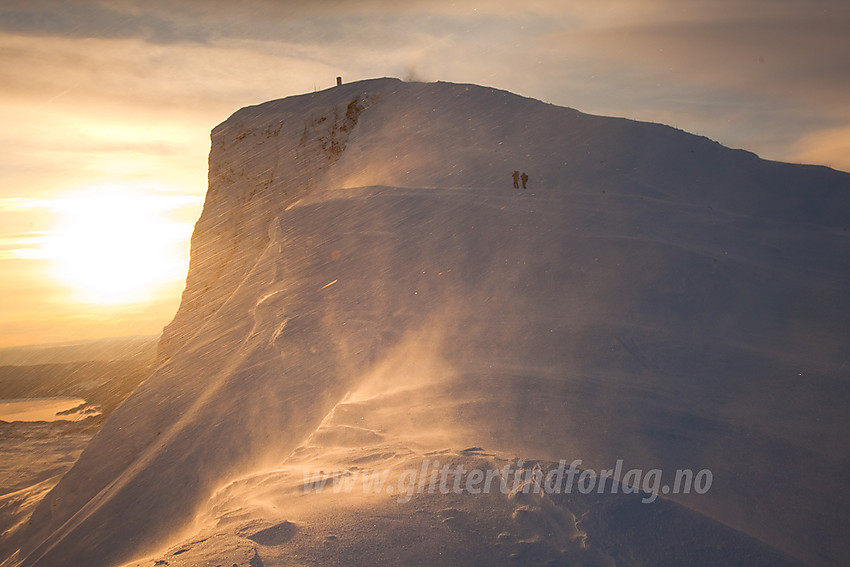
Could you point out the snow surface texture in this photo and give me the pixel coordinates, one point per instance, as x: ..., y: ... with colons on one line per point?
x: 366, y: 286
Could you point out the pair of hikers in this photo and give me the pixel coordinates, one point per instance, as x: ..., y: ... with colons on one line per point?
x: 517, y: 177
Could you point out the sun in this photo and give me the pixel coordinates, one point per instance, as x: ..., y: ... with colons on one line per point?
x: 114, y: 245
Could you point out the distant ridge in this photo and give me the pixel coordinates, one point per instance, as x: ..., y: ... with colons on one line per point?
x: 115, y: 348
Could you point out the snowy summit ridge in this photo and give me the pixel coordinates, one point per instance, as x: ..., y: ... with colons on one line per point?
x: 367, y: 286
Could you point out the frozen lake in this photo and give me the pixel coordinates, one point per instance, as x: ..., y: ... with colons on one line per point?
x: 41, y: 409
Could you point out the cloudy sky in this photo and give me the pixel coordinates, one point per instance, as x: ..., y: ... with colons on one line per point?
x: 106, y: 108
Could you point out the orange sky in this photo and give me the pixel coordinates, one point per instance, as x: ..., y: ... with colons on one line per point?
x: 106, y: 110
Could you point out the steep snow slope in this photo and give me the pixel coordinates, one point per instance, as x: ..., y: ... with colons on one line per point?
x: 653, y: 297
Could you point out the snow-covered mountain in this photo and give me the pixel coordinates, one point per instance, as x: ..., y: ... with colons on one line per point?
x: 367, y: 289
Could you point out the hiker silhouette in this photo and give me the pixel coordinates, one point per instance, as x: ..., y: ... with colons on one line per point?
x: 524, y: 179
x: 516, y: 179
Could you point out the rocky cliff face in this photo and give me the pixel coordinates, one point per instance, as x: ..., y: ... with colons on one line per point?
x: 651, y: 296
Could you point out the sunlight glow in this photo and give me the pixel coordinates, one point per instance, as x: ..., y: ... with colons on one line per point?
x: 114, y: 244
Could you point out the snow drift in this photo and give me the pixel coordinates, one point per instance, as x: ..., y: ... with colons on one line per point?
x: 364, y: 275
